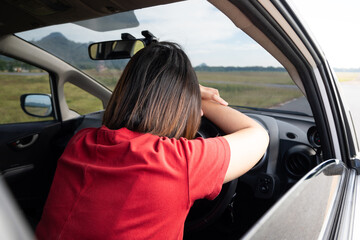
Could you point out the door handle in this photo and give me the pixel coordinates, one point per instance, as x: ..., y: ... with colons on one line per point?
x: 25, y: 142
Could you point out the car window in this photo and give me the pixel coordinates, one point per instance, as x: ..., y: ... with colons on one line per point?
x: 261, y: 88
x: 222, y: 55
x: 81, y: 101
x: 18, y: 78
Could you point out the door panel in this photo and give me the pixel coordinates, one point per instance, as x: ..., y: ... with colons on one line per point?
x: 309, y: 209
x: 28, y: 163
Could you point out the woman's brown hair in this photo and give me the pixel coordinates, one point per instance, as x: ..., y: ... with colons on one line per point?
x: 157, y: 93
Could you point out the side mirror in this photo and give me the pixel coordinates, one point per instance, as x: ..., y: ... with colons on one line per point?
x: 119, y: 49
x: 37, y: 105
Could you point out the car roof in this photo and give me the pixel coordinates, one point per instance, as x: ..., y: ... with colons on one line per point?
x: 18, y: 16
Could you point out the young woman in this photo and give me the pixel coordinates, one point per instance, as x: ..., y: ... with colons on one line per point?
x: 137, y: 176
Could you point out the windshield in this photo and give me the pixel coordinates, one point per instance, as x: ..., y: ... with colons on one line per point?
x: 223, y: 56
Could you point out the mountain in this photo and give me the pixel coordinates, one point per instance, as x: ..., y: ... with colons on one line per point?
x: 72, y: 52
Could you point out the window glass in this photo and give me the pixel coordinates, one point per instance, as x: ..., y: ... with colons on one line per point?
x: 222, y: 54
x: 18, y: 78
x: 260, y: 89
x: 81, y: 101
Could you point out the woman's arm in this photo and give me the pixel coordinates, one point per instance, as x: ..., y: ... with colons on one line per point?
x: 248, y: 140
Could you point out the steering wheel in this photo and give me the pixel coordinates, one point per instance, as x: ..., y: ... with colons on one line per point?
x: 204, y: 212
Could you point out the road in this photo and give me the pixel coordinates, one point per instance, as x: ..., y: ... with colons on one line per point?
x: 351, y: 93
x: 298, y: 103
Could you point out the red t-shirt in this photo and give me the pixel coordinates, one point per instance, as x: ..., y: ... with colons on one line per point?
x: 120, y: 184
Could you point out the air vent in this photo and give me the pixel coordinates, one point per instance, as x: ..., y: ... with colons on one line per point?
x: 299, y: 160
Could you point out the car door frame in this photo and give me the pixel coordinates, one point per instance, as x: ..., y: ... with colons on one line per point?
x: 278, y: 21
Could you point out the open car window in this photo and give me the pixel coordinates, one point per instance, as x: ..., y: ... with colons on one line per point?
x: 223, y: 56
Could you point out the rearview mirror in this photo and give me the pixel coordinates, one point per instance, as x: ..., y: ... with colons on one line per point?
x: 37, y: 105
x: 119, y: 49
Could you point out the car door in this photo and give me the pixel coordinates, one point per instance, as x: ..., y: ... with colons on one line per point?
x: 322, y: 204
x: 29, y: 145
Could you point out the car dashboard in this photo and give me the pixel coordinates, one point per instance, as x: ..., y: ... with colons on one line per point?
x: 294, y: 149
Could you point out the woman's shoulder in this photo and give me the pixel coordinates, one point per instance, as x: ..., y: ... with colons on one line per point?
x: 81, y: 133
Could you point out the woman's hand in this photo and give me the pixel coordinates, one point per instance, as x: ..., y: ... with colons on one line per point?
x: 208, y: 93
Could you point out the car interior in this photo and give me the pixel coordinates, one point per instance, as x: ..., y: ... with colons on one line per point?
x: 31, y: 146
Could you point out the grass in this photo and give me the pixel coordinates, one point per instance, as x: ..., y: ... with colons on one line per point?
x: 238, y: 88
x: 246, y: 77
x: 255, y: 89
x: 347, y: 76
x: 108, y: 77
x: 12, y: 87
x: 255, y: 96
x: 81, y: 101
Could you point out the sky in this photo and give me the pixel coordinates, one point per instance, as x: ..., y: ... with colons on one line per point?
x: 335, y: 26
x: 205, y: 34
x: 210, y: 37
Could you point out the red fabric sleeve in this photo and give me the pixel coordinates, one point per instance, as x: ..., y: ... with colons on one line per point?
x: 208, y: 160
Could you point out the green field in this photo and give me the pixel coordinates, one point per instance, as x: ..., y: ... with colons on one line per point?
x: 12, y: 87
x: 81, y: 101
x: 254, y: 89
x: 246, y: 77
x: 109, y: 78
